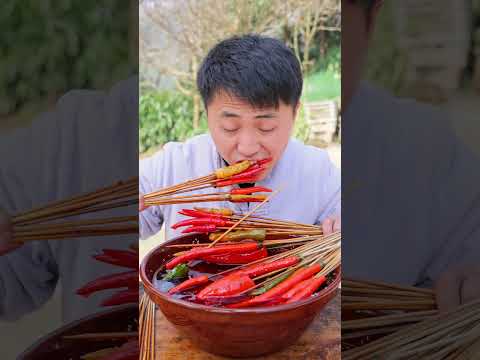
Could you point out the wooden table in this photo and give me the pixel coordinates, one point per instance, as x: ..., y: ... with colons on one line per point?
x: 320, y: 341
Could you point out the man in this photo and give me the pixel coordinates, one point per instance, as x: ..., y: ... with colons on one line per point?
x: 251, y: 87
x: 411, y: 185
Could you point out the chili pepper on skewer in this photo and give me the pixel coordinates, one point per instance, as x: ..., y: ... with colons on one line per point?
x: 229, y: 285
x: 198, y: 253
x: 261, y: 269
x: 264, y: 161
x: 215, y: 211
x: 129, y: 296
x: 126, y: 279
x: 200, y: 229
x: 250, y: 190
x: 280, y: 289
x: 198, y: 213
x: 294, y: 290
x: 247, y: 198
x: 235, y: 181
x: 188, y: 284
x: 229, y: 171
x: 272, y: 283
x: 201, y: 212
x: 124, y: 258
x: 253, y: 172
x: 203, y: 221
x: 254, y: 234
x: 308, y: 290
x: 237, y: 259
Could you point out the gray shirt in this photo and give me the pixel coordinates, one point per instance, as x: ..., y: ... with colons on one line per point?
x: 310, y: 183
x: 411, y: 189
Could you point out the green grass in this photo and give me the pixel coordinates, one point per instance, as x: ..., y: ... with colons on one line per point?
x: 322, y: 85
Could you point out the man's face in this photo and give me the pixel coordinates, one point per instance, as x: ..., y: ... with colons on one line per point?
x: 242, y: 132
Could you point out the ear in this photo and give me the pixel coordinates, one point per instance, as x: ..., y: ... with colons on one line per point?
x: 296, y: 110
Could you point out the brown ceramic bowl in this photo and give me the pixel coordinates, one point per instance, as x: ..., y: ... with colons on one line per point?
x: 232, y: 332
x: 54, y: 346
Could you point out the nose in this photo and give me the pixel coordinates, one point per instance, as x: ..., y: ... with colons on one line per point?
x: 248, y: 144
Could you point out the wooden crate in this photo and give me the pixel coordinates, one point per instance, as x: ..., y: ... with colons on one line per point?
x: 322, y: 117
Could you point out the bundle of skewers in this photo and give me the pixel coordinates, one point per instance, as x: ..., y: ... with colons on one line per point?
x: 247, y: 171
x: 215, y: 221
x: 373, y: 309
x: 147, y: 328
x: 51, y: 221
x: 263, y: 278
x: 291, y: 269
x: 454, y: 335
x: 388, y: 321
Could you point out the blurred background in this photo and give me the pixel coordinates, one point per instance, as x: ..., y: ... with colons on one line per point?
x: 430, y: 51
x: 48, y: 48
x: 174, y: 37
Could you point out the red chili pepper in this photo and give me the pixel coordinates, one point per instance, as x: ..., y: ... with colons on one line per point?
x: 254, y: 171
x: 300, y: 286
x: 129, y: 296
x: 191, y: 213
x: 260, y: 269
x: 199, y: 214
x: 198, y: 253
x: 229, y: 259
x: 229, y: 285
x: 250, y: 190
x: 124, y: 258
x: 264, y: 161
x: 200, y: 229
x: 281, y: 288
x: 236, y: 181
x: 187, y: 284
x: 308, y: 290
x: 128, y: 351
x: 126, y: 279
x: 201, y: 221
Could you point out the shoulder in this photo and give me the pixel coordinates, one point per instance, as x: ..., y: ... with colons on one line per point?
x: 195, y: 148
x: 403, y: 127
x: 179, y: 161
x: 312, y: 158
x: 403, y: 115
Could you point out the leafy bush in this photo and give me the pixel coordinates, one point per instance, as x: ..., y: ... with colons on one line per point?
x: 166, y: 116
x: 49, y: 47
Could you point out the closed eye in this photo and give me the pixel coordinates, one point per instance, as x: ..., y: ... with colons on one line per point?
x: 230, y: 130
x: 267, y: 130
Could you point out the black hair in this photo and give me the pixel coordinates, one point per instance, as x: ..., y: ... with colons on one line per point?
x: 257, y: 69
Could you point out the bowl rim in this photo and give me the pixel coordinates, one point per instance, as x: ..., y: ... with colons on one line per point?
x: 65, y: 328
x: 148, y: 285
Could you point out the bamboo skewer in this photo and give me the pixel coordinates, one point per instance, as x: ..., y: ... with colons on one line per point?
x: 40, y: 224
x: 147, y: 328
x: 160, y: 197
x: 434, y: 336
